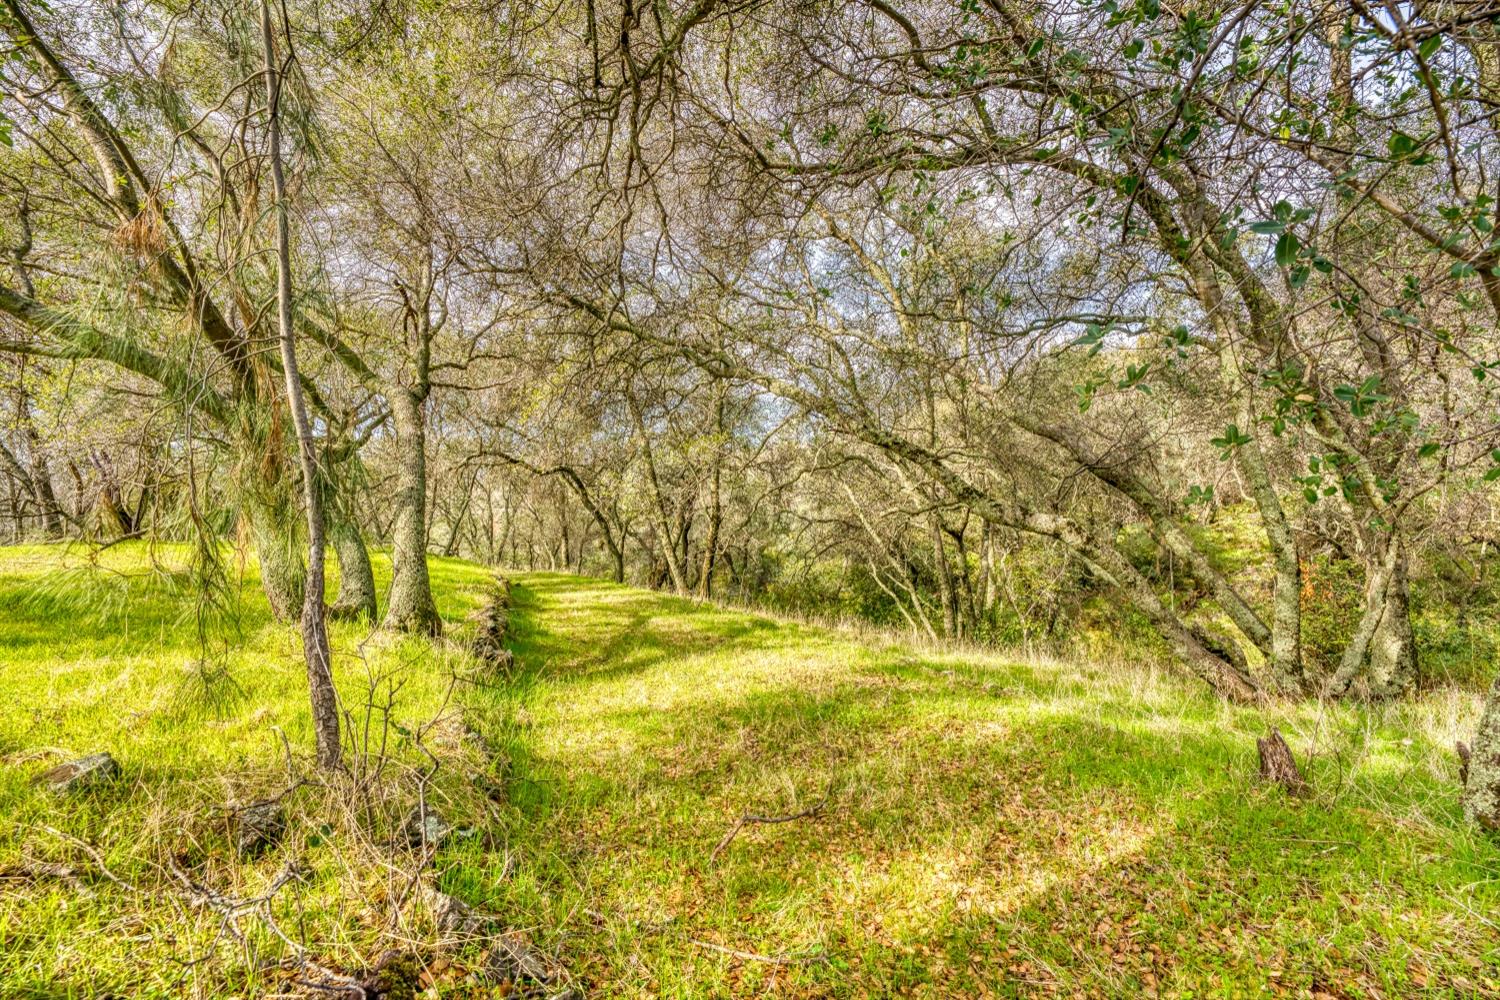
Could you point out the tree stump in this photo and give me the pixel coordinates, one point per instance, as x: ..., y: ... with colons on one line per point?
x: 1277, y: 764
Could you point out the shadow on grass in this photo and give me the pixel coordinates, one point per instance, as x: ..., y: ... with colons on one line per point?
x: 1001, y: 828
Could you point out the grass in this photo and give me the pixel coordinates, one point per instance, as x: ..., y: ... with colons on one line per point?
x: 103, y: 654
x: 989, y: 827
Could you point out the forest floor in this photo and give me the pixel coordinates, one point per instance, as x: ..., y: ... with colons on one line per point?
x: 969, y: 824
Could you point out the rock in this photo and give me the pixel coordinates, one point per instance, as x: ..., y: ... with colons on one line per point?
x: 512, y: 960
x: 257, y: 828
x: 453, y: 917
x: 426, y: 831
x: 85, y: 772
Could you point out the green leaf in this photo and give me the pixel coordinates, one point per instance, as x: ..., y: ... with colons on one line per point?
x: 1286, y: 249
x: 1462, y: 269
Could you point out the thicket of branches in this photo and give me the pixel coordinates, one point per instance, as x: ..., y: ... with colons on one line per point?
x: 982, y: 318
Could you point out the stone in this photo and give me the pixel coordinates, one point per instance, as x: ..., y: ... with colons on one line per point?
x: 453, y: 917
x: 258, y: 827
x: 512, y: 960
x: 426, y: 831
x: 85, y: 772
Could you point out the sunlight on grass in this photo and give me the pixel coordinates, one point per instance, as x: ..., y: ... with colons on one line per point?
x: 977, y: 825
x: 992, y: 826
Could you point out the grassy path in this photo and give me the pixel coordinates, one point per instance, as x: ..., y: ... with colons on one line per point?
x: 992, y: 828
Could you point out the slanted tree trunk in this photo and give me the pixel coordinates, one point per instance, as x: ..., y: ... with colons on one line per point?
x: 410, y: 607
x: 325, y: 709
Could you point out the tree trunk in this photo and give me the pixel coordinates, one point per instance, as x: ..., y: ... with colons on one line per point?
x: 41, y: 473
x: 711, y: 543
x: 325, y: 709
x: 715, y: 498
x: 945, y: 580
x: 410, y: 608
x: 1481, y: 766
x: 667, y: 537
x: 1382, y: 647
x: 1286, y: 612
x: 356, y: 599
x: 1393, y: 654
x: 276, y: 549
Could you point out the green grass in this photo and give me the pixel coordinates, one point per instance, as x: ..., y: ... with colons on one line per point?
x: 991, y: 827
x: 104, y: 654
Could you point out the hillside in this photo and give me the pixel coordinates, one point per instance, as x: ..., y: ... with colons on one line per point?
x: 967, y: 825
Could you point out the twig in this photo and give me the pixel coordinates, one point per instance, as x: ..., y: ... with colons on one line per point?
x: 750, y: 818
x: 750, y: 956
x: 93, y: 853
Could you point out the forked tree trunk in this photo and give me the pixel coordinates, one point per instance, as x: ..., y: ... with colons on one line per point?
x: 410, y: 608
x: 325, y: 710
x: 1382, y: 648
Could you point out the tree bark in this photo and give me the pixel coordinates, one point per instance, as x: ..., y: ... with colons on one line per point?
x: 325, y: 711
x: 276, y: 550
x: 666, y: 536
x: 1392, y: 655
x: 1382, y: 647
x: 410, y: 607
x: 356, y: 598
x: 1481, y: 766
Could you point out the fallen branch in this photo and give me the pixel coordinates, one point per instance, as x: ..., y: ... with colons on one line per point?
x: 93, y: 854
x: 750, y: 818
x: 750, y: 956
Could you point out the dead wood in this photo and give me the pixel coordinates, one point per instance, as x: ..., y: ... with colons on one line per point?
x: 1277, y: 764
x: 750, y: 818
